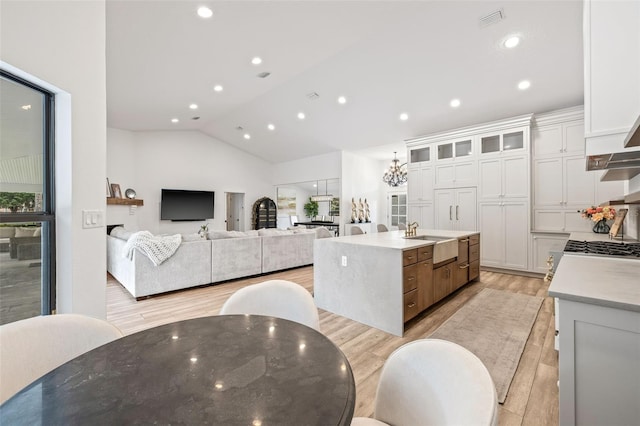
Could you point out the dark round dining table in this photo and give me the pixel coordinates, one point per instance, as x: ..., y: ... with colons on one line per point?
x: 219, y: 370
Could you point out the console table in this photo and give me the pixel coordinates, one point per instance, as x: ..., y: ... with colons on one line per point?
x: 225, y: 369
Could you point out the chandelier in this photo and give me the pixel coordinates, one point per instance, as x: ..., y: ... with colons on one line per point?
x: 397, y: 173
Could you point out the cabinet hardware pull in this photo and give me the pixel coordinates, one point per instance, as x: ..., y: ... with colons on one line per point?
x: 450, y: 214
x: 409, y: 257
x: 463, y: 266
x: 411, y: 305
x: 411, y: 278
x: 457, y: 212
x: 464, y: 241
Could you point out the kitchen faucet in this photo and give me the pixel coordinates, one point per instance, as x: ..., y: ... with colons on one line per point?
x: 411, y: 229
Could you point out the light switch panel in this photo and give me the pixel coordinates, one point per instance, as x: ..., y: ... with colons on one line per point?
x: 92, y: 218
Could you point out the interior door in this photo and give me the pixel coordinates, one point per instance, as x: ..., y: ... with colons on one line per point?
x: 234, y: 211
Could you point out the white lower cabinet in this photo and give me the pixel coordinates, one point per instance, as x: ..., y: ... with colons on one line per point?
x: 421, y: 213
x: 505, y: 234
x: 455, y: 209
x: 542, y: 245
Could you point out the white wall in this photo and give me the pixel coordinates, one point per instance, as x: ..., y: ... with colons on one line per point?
x: 181, y: 160
x: 326, y: 166
x: 362, y: 178
x: 63, y: 43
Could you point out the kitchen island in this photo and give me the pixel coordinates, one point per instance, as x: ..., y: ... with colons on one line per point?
x: 384, y: 279
x: 599, y: 338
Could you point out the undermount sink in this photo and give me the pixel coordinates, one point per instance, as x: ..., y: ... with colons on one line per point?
x: 444, y: 248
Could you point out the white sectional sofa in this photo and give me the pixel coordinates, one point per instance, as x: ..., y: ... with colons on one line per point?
x: 226, y: 256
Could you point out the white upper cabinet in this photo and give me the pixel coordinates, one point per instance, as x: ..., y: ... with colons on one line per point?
x: 507, y: 142
x: 420, y: 187
x: 504, y: 178
x: 558, y: 139
x: 455, y: 174
x: 612, y: 72
x: 419, y: 156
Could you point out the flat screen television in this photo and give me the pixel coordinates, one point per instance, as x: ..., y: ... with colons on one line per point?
x: 183, y: 205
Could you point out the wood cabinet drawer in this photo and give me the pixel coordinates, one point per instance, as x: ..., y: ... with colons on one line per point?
x: 474, y: 270
x: 461, y: 275
x: 409, y: 257
x: 411, y: 308
x: 474, y: 239
x: 474, y: 252
x: 410, y: 278
x: 425, y: 253
x: 463, y: 250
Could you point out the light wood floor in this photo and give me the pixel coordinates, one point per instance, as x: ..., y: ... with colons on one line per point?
x: 532, y: 397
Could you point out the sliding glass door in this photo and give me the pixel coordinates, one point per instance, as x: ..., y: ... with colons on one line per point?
x: 27, y: 221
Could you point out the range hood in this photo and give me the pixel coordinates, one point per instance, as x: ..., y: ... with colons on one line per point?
x: 623, y: 164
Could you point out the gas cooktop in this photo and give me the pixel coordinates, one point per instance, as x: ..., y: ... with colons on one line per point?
x: 603, y: 248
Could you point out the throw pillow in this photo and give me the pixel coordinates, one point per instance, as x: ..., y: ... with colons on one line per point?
x: 191, y: 237
x: 38, y: 232
x: 121, y: 233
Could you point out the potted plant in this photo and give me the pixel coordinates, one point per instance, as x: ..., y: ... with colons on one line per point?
x: 311, y: 209
x: 203, y: 231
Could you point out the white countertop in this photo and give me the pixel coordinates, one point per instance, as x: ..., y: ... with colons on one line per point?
x: 604, y: 281
x: 397, y: 240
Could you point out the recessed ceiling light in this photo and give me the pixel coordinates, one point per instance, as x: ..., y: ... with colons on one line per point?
x: 524, y: 85
x: 247, y: 136
x: 404, y: 116
x: 218, y: 88
x: 512, y: 42
x: 174, y: 120
x: 342, y: 100
x: 26, y: 107
x: 455, y: 103
x: 271, y: 126
x: 256, y: 61
x: 193, y: 106
x: 205, y: 12
x: 301, y: 115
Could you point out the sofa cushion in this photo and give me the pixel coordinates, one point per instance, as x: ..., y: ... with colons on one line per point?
x: 221, y: 235
x: 191, y: 237
x: 37, y: 232
x: 121, y: 233
x: 273, y: 231
x: 25, y: 232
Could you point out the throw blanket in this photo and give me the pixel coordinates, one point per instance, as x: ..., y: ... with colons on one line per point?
x: 157, y: 248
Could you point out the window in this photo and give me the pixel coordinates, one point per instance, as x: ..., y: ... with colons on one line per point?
x: 27, y: 220
x: 398, y: 207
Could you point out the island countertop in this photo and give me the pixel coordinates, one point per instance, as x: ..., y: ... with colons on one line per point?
x: 603, y: 281
x: 397, y: 239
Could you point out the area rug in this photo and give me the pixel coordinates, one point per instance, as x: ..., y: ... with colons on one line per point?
x: 495, y: 326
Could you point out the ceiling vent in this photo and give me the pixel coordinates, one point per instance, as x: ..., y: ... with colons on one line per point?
x: 195, y: 118
x: 263, y: 74
x: 239, y: 128
x: 492, y: 18
x: 313, y: 96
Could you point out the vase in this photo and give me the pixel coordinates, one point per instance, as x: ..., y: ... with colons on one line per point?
x: 601, y: 227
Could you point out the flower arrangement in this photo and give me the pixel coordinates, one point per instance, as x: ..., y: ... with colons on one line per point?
x: 203, y: 230
x: 597, y: 214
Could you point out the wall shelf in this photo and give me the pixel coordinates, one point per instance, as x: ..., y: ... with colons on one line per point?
x: 124, y: 201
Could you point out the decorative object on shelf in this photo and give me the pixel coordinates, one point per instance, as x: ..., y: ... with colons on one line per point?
x: 599, y: 215
x: 360, y: 210
x: 311, y: 208
x: 115, y: 190
x: 397, y: 173
x: 203, y: 231
x: 354, y: 211
x: 109, y: 193
x: 130, y: 193
x: 367, y: 213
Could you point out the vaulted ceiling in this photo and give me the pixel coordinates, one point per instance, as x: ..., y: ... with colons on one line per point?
x: 384, y: 57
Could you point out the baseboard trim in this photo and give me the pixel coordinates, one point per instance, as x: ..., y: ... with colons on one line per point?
x: 512, y: 272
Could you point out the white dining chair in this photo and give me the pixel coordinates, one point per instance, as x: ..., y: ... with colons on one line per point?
x: 275, y: 298
x: 402, y: 226
x: 322, y: 232
x: 356, y: 230
x: 32, y: 347
x: 382, y: 227
x: 433, y: 382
